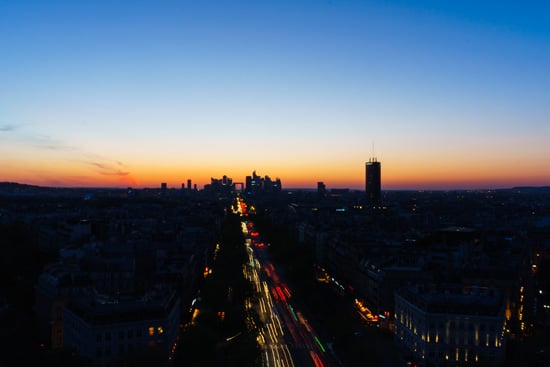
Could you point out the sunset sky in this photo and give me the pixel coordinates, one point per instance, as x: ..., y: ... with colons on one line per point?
x: 451, y: 94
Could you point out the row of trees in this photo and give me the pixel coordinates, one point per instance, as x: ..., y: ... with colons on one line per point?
x: 220, y: 335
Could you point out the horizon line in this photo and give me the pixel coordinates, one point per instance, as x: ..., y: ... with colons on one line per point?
x: 282, y: 189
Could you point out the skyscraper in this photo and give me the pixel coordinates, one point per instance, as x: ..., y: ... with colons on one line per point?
x: 373, y: 181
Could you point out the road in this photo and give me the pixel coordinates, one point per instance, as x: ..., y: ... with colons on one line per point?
x: 286, y: 337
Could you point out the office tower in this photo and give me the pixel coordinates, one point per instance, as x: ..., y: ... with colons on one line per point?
x: 321, y: 189
x: 373, y: 181
x: 262, y: 185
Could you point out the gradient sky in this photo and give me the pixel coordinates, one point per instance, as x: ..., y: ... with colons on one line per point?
x: 452, y: 94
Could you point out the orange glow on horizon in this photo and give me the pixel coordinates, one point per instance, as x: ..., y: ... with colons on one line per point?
x: 396, y: 175
x: 200, y: 179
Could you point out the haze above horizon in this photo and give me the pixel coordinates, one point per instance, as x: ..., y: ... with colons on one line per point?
x: 454, y: 94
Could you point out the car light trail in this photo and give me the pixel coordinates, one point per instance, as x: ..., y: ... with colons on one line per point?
x: 319, y: 343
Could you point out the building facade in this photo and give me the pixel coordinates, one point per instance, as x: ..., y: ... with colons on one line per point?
x: 111, y: 332
x: 460, y: 326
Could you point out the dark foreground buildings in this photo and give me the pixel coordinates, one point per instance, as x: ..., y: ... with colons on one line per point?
x: 459, y: 277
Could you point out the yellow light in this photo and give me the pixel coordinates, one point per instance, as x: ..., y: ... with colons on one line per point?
x: 160, y: 330
x: 151, y: 331
x: 195, y: 315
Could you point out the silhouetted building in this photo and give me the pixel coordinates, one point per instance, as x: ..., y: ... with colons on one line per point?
x: 223, y: 186
x: 321, y: 190
x: 256, y: 184
x: 373, y: 181
x: 253, y: 183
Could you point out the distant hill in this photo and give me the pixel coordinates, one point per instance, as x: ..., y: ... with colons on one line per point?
x: 15, y: 188
x: 542, y: 189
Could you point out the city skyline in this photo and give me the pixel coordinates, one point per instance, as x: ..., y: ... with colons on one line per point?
x: 453, y: 95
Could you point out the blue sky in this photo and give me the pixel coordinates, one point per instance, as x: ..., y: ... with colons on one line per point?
x: 298, y: 84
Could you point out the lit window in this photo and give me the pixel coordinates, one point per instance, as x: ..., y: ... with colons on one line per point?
x: 151, y: 331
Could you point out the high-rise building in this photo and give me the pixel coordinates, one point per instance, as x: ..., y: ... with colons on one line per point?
x: 256, y: 184
x: 373, y: 181
x: 321, y: 189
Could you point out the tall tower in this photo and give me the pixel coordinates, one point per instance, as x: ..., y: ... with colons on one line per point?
x: 373, y: 181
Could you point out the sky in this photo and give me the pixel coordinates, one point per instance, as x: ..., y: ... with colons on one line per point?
x: 445, y: 94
